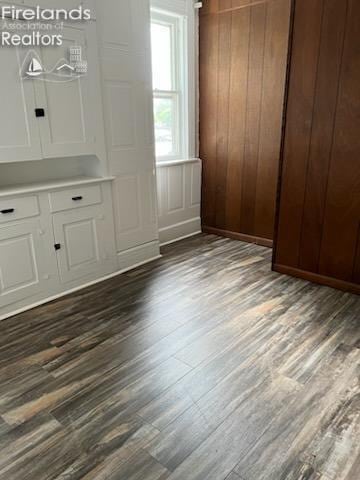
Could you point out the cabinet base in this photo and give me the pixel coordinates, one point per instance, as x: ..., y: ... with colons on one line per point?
x: 76, y: 289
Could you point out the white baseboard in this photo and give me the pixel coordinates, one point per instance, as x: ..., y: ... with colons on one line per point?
x: 138, y: 252
x: 184, y: 237
x: 180, y: 231
x: 138, y: 255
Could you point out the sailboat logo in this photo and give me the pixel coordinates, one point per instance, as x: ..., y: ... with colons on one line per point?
x: 35, y: 68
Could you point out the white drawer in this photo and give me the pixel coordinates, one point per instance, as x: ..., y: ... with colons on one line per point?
x: 18, y: 208
x: 74, y: 198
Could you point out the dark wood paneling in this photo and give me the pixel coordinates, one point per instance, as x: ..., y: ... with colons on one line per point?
x: 302, y: 81
x: 209, y: 40
x: 222, y: 116
x: 319, y: 208
x: 342, y: 213
x: 276, y: 44
x: 255, y: 66
x: 243, y: 48
x: 356, y: 272
x: 221, y: 6
x: 237, y: 115
x: 329, y: 64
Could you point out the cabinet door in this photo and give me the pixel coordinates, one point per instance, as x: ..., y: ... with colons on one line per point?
x: 69, y: 126
x: 83, y: 247
x: 22, y: 263
x: 19, y: 133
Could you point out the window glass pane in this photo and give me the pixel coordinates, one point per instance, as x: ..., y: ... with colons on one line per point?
x: 161, y: 56
x: 164, y: 126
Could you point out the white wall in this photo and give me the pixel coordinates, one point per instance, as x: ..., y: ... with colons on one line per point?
x: 125, y: 56
x: 179, y: 183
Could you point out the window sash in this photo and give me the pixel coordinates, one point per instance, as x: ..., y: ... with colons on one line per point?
x: 165, y: 20
x: 179, y: 86
x: 174, y: 97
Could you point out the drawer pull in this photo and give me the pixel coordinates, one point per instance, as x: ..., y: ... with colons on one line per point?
x: 8, y: 210
x: 77, y: 199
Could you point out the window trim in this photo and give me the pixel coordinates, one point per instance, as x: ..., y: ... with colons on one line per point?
x: 180, y: 87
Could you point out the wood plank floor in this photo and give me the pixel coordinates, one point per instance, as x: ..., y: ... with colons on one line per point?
x: 203, y: 365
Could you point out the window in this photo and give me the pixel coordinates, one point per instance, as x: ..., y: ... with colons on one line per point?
x: 168, y: 63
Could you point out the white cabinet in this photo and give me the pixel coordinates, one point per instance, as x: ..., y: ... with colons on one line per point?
x: 81, y: 242
x: 19, y: 208
x: 69, y: 127
x: 23, y: 262
x: 71, y: 124
x: 19, y: 132
x: 53, y: 240
x: 75, y: 197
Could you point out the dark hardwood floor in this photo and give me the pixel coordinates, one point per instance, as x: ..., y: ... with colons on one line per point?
x: 204, y: 365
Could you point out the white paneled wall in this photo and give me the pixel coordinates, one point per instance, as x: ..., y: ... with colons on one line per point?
x: 179, y: 192
x: 126, y: 70
x: 127, y: 92
x: 179, y: 184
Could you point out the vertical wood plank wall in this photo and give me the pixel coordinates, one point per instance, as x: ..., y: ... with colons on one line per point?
x: 318, y: 234
x: 243, y: 56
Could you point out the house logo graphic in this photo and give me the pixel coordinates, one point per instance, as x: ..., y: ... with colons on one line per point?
x: 77, y: 64
x: 65, y: 70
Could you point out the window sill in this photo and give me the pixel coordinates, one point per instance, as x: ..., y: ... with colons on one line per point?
x: 170, y: 163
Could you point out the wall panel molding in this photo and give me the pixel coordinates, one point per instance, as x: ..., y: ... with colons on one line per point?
x: 126, y: 71
x: 180, y: 231
x: 179, y: 200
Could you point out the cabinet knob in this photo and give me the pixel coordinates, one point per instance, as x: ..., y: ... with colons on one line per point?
x: 39, y: 112
x: 57, y: 246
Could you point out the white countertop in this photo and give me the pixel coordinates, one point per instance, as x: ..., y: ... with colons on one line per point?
x: 21, y: 189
